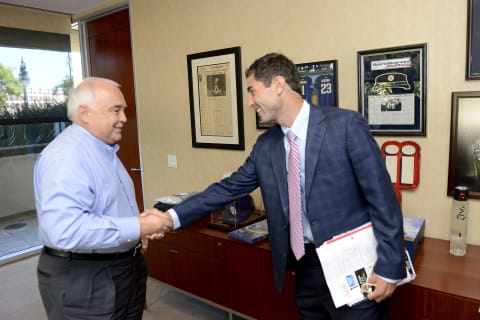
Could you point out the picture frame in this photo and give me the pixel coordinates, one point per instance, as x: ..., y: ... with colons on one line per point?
x: 473, y: 41
x: 215, y: 91
x: 464, y: 157
x: 319, y: 85
x: 392, y: 89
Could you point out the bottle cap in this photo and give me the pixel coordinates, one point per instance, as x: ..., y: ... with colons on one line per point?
x: 460, y: 193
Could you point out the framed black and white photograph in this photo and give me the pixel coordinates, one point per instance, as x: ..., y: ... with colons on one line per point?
x: 319, y: 85
x: 392, y: 84
x: 215, y: 88
x: 464, y: 162
x: 473, y: 40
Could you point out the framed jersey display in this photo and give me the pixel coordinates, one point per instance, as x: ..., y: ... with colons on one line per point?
x: 318, y: 81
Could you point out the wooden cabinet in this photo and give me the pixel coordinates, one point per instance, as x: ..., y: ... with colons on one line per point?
x: 244, y: 279
x: 209, y: 262
x: 171, y: 260
x: 233, y: 274
x: 252, y: 287
x: 447, y: 287
x: 239, y: 277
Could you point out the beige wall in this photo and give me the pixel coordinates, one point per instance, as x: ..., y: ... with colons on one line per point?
x: 164, y: 32
x: 31, y: 19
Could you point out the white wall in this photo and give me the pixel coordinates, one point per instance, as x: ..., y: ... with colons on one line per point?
x: 16, y: 184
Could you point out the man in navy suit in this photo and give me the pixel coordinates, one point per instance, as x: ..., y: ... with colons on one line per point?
x: 344, y: 184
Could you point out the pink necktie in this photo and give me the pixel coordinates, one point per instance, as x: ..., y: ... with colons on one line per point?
x: 295, y: 198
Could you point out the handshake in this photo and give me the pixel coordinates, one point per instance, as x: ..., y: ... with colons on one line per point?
x: 154, y: 224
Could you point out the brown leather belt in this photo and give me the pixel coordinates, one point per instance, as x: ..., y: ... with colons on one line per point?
x: 92, y: 256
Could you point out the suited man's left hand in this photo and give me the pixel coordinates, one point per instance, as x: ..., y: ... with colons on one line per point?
x: 383, y: 289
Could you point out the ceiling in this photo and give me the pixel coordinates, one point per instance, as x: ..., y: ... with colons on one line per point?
x: 71, y: 7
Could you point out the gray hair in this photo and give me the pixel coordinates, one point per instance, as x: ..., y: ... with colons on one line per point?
x: 84, y: 93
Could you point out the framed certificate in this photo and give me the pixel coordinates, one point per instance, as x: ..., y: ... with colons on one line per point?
x: 392, y: 85
x: 215, y: 88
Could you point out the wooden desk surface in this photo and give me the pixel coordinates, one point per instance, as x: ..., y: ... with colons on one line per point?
x: 438, y: 270
x: 201, y: 227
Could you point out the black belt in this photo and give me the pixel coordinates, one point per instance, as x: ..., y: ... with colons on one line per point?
x: 92, y: 256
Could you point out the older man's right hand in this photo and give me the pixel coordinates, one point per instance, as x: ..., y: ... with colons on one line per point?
x: 154, y: 223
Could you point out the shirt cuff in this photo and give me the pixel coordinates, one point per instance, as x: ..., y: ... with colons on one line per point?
x: 388, y: 279
x: 129, y: 230
x: 175, y: 219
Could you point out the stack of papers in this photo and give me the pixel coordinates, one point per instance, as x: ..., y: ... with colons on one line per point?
x: 347, y: 261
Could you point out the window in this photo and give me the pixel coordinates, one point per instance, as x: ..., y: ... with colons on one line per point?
x: 35, y: 76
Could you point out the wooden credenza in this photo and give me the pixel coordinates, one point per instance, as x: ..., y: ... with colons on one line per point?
x: 238, y: 276
x: 446, y: 287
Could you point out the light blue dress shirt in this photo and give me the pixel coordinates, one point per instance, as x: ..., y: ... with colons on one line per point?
x: 84, y: 197
x: 299, y: 128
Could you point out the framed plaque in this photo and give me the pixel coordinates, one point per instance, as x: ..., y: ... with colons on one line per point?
x: 392, y: 85
x: 464, y: 161
x: 215, y: 87
x: 319, y: 85
x: 473, y: 40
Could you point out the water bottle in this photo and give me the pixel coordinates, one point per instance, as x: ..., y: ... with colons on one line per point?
x: 459, y: 221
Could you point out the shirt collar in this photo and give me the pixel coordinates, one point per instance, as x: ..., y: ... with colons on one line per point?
x: 300, y: 124
x: 95, y: 141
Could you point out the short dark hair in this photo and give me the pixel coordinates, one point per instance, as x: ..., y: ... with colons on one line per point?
x: 273, y: 64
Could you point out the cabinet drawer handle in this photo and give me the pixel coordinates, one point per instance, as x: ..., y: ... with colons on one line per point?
x: 219, y: 244
x: 174, y: 251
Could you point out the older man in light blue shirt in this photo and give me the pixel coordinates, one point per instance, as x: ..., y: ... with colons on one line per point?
x: 91, y: 266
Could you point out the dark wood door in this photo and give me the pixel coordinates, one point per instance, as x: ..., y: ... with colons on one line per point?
x: 110, y: 56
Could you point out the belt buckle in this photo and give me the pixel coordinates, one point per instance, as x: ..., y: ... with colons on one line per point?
x: 139, y: 245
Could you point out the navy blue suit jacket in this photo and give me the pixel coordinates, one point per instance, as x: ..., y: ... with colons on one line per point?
x: 346, y: 185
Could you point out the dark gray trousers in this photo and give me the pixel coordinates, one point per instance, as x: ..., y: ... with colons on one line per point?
x: 92, y: 289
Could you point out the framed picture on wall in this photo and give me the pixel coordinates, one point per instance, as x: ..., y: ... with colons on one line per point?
x: 392, y: 85
x: 319, y: 85
x: 215, y: 88
x: 473, y: 40
x: 319, y: 82
x: 464, y: 160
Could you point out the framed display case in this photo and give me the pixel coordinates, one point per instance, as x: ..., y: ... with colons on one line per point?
x: 392, y: 85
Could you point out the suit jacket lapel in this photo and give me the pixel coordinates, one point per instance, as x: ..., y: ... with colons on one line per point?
x: 278, y: 161
x: 315, y: 134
